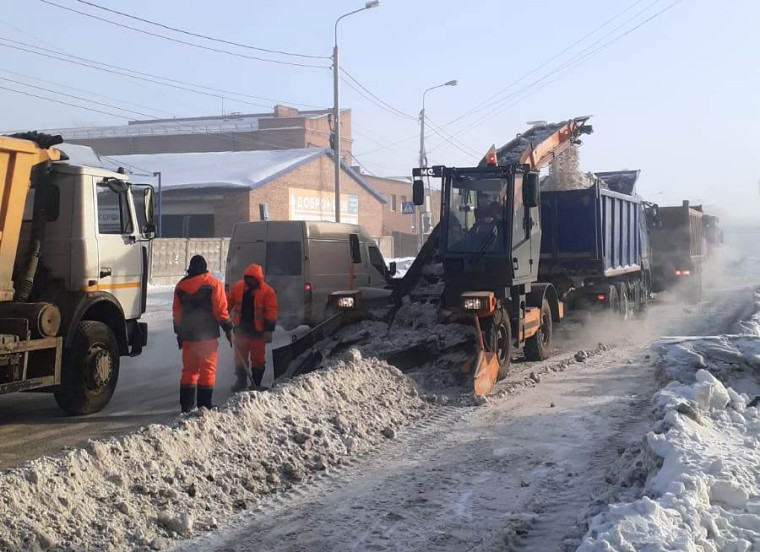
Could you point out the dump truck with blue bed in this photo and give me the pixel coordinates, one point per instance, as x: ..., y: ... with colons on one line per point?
x: 595, y: 244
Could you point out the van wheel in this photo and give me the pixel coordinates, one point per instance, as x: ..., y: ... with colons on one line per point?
x: 539, y: 346
x: 90, y: 370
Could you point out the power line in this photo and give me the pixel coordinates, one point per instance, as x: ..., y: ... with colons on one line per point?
x: 198, y: 35
x: 362, y: 165
x: 60, y: 102
x: 90, y: 92
x: 388, y: 106
x: 77, y: 97
x: 570, y: 64
x: 180, y: 41
x: 130, y: 73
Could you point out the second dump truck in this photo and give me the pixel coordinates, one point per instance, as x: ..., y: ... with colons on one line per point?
x: 595, y: 244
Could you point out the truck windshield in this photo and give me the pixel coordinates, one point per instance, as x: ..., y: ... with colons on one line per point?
x: 476, y: 215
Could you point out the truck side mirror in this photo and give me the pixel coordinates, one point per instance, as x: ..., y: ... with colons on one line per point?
x: 531, y: 190
x: 149, y: 230
x: 148, y: 205
x: 392, y: 268
x: 418, y: 192
x: 356, y: 252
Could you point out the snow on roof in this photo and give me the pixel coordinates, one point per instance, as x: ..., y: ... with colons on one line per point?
x: 80, y: 155
x: 225, y: 169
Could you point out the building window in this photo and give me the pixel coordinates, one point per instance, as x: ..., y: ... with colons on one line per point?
x: 393, y: 202
x: 187, y: 226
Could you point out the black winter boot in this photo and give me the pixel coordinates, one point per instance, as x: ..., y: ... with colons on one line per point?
x: 187, y: 397
x: 204, y: 397
x: 242, y: 379
x: 257, y: 375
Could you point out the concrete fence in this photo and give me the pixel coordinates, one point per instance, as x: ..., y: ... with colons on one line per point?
x: 170, y: 257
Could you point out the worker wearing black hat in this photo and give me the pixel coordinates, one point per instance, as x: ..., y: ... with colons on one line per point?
x: 199, y: 310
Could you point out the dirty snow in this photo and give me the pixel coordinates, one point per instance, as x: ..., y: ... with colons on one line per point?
x: 565, y: 173
x: 706, y: 494
x: 144, y: 490
x: 402, y: 265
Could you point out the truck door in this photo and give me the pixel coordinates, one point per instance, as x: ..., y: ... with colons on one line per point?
x: 521, y: 231
x: 122, y: 268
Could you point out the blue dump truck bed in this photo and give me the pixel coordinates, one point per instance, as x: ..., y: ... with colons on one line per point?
x: 592, y: 232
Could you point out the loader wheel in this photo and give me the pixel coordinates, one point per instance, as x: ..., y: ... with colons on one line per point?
x: 539, y: 346
x: 498, y: 339
x: 90, y: 370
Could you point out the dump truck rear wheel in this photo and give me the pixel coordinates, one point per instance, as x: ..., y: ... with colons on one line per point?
x: 538, y: 347
x: 90, y: 370
x: 625, y: 301
x: 613, y: 300
x: 499, y: 341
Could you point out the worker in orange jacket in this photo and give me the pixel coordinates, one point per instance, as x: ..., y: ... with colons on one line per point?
x: 199, y: 310
x: 253, y: 304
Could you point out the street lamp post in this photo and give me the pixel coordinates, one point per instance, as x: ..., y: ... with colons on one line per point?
x: 336, y: 104
x: 423, y: 157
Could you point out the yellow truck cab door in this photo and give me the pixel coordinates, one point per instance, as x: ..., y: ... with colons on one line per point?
x: 121, y: 257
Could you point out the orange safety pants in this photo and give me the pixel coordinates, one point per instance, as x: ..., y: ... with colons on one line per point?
x: 199, y: 362
x: 252, y: 348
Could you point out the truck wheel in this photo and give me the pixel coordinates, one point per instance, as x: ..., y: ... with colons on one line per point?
x: 499, y: 340
x: 694, y: 292
x: 538, y: 347
x: 625, y: 301
x: 613, y: 300
x: 90, y: 370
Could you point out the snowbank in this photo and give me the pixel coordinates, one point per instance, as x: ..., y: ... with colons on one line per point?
x: 141, y: 491
x: 706, y: 494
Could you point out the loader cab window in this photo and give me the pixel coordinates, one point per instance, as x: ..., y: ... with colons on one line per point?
x: 113, y: 208
x: 477, y: 215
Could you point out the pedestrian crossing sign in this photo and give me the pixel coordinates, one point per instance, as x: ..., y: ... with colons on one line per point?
x: 407, y: 207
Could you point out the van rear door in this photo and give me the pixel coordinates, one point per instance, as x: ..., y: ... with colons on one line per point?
x: 285, y: 273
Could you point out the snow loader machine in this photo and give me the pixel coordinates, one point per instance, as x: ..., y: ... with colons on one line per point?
x: 73, y: 273
x: 479, y: 264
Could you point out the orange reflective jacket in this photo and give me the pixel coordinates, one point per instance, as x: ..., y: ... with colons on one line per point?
x: 264, y: 302
x: 199, y: 308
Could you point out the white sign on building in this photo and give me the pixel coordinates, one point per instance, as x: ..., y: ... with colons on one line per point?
x: 319, y: 205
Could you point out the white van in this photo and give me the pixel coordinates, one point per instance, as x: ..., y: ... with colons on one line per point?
x: 307, y: 261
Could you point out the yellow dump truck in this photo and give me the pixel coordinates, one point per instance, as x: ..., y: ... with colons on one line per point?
x: 74, y: 249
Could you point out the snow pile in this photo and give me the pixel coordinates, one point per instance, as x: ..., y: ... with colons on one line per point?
x: 402, y: 265
x: 142, y: 491
x: 706, y: 494
x: 565, y: 174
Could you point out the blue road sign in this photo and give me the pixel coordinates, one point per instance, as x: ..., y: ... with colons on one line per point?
x: 407, y: 207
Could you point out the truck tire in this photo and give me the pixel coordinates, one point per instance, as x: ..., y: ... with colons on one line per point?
x: 90, y: 370
x: 625, y: 301
x: 498, y: 339
x: 539, y: 346
x: 613, y: 300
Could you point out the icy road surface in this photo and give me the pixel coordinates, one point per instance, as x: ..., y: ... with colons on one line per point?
x: 31, y: 424
x: 513, y: 475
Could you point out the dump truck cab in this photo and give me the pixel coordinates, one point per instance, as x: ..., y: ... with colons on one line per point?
x: 77, y: 239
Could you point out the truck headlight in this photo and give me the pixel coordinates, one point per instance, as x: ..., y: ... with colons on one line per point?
x: 479, y: 301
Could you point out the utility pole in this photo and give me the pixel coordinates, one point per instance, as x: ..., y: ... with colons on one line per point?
x: 424, y: 161
x: 336, y: 104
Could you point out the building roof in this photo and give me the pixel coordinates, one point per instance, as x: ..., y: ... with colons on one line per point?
x: 225, y: 169
x: 213, y: 124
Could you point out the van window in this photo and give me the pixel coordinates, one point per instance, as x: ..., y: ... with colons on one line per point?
x: 376, y: 259
x: 284, y: 258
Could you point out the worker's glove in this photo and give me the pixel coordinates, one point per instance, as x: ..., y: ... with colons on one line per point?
x: 267, y: 337
x: 179, y: 342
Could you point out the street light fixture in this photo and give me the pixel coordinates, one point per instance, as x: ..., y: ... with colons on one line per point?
x: 336, y: 104
x: 423, y: 156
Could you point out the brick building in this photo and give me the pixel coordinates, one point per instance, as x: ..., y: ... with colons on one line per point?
x: 284, y: 128
x: 206, y: 194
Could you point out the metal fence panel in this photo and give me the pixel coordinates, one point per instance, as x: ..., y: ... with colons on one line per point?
x: 170, y: 257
